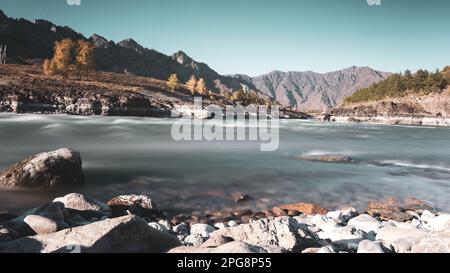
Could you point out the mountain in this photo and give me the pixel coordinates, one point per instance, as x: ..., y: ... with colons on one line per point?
x: 27, y: 41
x: 315, y: 91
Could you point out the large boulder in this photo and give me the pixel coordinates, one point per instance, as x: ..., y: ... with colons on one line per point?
x: 279, y: 232
x: 50, y: 169
x: 84, y: 205
x: 128, y: 234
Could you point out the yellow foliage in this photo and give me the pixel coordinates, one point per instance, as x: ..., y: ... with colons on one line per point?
x: 84, y: 60
x: 173, y: 83
x: 48, y: 68
x: 63, y: 56
x: 192, y: 84
x: 201, y: 86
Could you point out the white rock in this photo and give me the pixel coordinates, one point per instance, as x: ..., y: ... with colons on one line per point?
x: 232, y: 223
x: 318, y: 219
x: 158, y: 226
x: 365, y: 223
x: 220, y: 225
x: 427, y: 216
x: 416, y: 223
x: 202, y: 229
x: 194, y: 240
x: 337, y: 215
x: 389, y: 234
x: 440, y: 223
x: 347, y: 236
x: 367, y: 246
x: 406, y: 225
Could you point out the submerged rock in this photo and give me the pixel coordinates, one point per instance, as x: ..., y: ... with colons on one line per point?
x: 306, y: 208
x: 45, y: 170
x: 120, y: 235
x: 332, y: 158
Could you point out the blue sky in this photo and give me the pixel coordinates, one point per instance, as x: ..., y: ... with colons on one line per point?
x: 257, y: 36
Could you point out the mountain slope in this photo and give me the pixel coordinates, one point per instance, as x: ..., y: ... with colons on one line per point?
x: 315, y: 91
x: 302, y: 90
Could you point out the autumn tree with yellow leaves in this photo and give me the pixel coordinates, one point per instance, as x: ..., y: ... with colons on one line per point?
x: 201, y: 86
x: 84, y: 60
x: 191, y: 84
x: 173, y: 83
x: 70, y: 57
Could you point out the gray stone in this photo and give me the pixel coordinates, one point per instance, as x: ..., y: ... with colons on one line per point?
x: 119, y: 235
x: 348, y: 213
x: 43, y: 225
x: 367, y: 246
x: 216, y: 241
x: 280, y: 232
x: 84, y: 204
x: 365, y: 223
x: 181, y: 229
x: 50, y: 169
x: 202, y: 229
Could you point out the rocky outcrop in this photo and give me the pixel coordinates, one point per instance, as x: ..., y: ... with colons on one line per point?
x: 141, y: 205
x: 119, y: 235
x: 389, y: 210
x: 49, y: 169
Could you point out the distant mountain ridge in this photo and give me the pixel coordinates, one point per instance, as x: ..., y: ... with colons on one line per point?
x: 302, y: 90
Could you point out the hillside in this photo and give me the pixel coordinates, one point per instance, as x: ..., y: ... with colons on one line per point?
x: 30, y: 42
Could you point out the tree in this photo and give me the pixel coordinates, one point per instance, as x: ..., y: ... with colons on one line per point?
x: 48, y: 67
x: 192, y: 84
x: 63, y: 56
x: 84, y: 61
x: 173, y: 83
x: 201, y: 86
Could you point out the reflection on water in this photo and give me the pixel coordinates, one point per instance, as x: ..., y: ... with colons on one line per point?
x: 137, y: 155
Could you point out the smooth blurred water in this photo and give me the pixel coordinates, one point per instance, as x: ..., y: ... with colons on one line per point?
x: 137, y: 155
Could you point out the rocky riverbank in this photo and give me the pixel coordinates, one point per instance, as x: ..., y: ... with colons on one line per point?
x: 23, y: 89
x: 427, y: 110
x: 135, y: 223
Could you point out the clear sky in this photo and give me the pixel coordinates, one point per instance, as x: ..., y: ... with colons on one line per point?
x: 257, y: 36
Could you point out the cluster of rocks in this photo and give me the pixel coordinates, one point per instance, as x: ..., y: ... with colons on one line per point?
x: 133, y: 223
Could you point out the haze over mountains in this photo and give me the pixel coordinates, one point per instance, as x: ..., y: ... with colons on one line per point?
x: 302, y: 90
